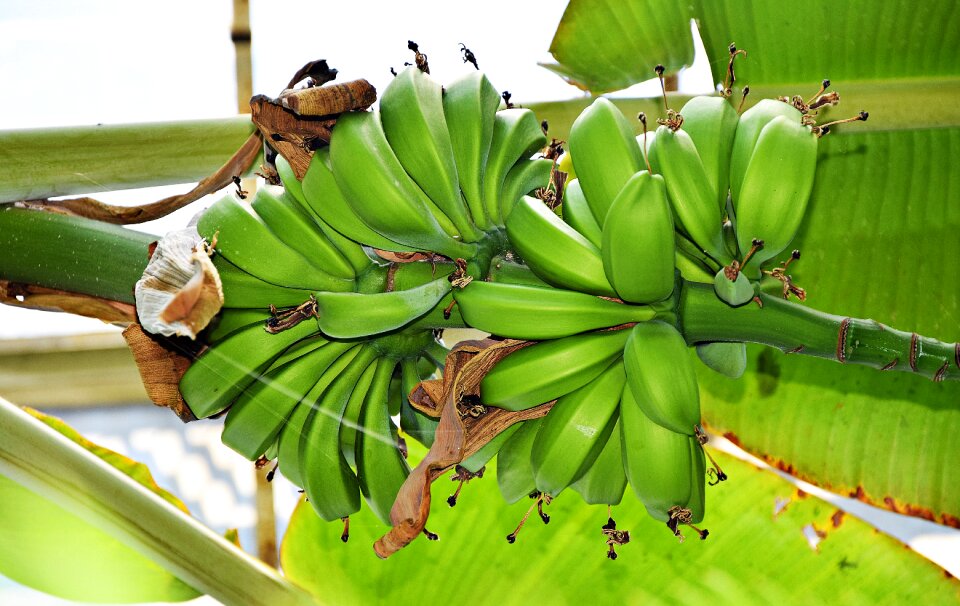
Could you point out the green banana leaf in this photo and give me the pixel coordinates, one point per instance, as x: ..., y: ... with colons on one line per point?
x: 600, y: 46
x: 879, y: 239
x: 757, y: 553
x: 606, y: 45
x: 48, y: 548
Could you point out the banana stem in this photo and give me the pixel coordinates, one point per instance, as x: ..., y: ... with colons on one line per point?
x: 44, y: 461
x: 793, y: 328
x: 47, y: 162
x: 71, y: 253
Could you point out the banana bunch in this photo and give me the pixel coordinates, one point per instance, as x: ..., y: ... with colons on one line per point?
x: 321, y: 339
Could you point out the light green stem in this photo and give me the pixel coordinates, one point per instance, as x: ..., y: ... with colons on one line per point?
x: 44, y: 461
x: 798, y: 329
x: 70, y: 253
x: 47, y: 162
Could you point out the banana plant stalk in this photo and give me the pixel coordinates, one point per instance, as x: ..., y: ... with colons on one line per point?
x: 102, y: 260
x: 44, y: 461
x: 47, y: 162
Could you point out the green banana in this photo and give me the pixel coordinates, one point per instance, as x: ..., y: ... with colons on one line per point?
x: 230, y: 320
x: 711, y: 123
x: 330, y: 484
x: 350, y: 419
x: 289, y: 179
x: 537, y: 313
x: 324, y: 197
x: 675, y: 156
x: 575, y: 430
x: 658, y: 462
x: 351, y: 250
x: 242, y: 290
x: 555, y: 251
x: 639, y: 244
x: 545, y: 371
x: 776, y: 187
x: 661, y: 376
x: 734, y: 292
x: 506, y: 270
x: 298, y: 350
x: 218, y: 376
x: 382, y: 194
x: 248, y: 243
x: 351, y: 315
x: 605, y: 482
x: 298, y: 231
x: 514, y: 470
x: 295, y: 430
x: 516, y: 136
x: 749, y: 126
x: 413, y: 422
x: 411, y: 109
x: 728, y: 359
x: 381, y: 468
x: 565, y: 165
x: 577, y: 213
x: 523, y: 178
x: 479, y: 459
x: 470, y: 107
x: 698, y: 476
x: 605, y: 154
x: 255, y: 419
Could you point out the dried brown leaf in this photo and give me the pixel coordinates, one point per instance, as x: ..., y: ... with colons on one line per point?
x: 91, y: 208
x: 161, y: 369
x: 457, y: 437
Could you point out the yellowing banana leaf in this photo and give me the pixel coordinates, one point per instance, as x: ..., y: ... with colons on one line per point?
x: 765, y: 539
x: 48, y: 548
